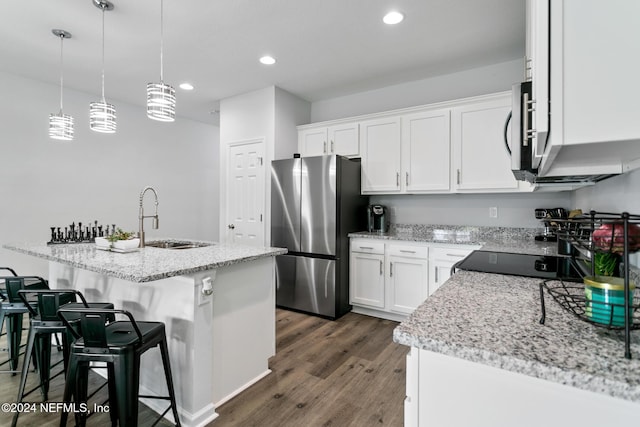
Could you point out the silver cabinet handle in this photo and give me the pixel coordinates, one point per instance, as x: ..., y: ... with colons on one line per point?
x: 332, y: 146
x: 457, y: 255
x: 397, y: 179
x: 525, y: 120
x: 436, y: 274
x: 231, y: 226
x: 381, y: 270
x: 407, y: 251
x: 407, y: 178
x: 458, y: 175
x: 390, y: 269
x: 366, y: 247
x: 324, y: 150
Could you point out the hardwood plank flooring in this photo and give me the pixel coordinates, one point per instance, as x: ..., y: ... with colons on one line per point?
x: 343, y: 373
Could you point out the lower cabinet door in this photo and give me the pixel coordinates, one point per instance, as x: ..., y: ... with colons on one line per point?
x: 366, y: 281
x: 407, y: 283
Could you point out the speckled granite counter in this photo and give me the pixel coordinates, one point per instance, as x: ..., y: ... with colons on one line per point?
x: 494, y: 320
x: 148, y: 263
x: 499, y: 239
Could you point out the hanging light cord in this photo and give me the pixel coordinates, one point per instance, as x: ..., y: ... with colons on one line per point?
x: 161, y: 41
x: 61, y: 69
x: 103, y: 7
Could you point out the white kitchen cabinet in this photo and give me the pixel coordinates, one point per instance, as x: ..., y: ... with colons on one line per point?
x: 380, y: 150
x: 407, y: 277
x: 426, y: 151
x: 595, y: 57
x: 387, y: 279
x: 366, y: 273
x: 341, y: 139
x: 441, y: 259
x: 481, y: 161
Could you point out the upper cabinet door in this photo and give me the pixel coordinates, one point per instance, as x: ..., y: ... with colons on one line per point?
x: 481, y: 158
x: 380, y: 150
x: 426, y: 151
x: 313, y: 142
x: 344, y: 140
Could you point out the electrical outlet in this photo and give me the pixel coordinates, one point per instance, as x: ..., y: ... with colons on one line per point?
x: 493, y: 212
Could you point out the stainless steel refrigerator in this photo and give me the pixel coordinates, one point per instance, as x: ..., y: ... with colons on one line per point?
x: 315, y: 203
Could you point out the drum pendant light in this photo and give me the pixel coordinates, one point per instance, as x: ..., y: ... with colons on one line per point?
x: 161, y: 98
x: 102, y: 116
x: 60, y: 124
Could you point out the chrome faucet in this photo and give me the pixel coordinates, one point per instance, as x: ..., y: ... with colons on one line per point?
x: 141, y: 215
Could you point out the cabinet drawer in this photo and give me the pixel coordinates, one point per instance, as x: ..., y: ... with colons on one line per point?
x: 367, y: 246
x: 408, y: 251
x: 449, y: 254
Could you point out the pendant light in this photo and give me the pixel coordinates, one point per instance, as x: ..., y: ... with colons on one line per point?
x: 161, y: 98
x: 60, y: 124
x: 102, y: 116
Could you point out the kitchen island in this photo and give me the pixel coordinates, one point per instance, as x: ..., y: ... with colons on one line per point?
x: 480, y: 357
x: 219, y: 341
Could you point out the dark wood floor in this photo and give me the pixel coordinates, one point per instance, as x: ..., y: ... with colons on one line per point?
x: 344, y: 373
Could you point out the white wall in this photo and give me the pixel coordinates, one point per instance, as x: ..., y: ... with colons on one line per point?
x: 477, y: 81
x: 617, y: 194
x: 514, y: 210
x: 271, y: 114
x: 44, y: 182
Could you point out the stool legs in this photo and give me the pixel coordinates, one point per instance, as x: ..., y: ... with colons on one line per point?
x: 14, y: 336
x: 127, y: 378
x: 164, y: 351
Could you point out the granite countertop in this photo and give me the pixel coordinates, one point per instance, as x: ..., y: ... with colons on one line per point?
x: 494, y: 320
x: 146, y: 264
x: 498, y: 239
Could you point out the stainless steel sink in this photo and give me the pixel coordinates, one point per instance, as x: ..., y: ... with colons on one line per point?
x: 176, y: 244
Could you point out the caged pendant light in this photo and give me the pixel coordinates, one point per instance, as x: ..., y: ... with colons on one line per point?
x: 102, y: 116
x: 161, y: 97
x: 60, y: 124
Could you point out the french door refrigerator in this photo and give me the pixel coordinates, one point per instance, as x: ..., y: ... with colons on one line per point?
x: 315, y: 203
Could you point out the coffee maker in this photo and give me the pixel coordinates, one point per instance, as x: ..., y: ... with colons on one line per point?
x: 550, y: 226
x: 377, y: 219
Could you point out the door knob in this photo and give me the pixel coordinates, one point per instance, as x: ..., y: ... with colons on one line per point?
x: 231, y: 226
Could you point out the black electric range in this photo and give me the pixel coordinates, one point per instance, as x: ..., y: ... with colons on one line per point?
x: 539, y: 266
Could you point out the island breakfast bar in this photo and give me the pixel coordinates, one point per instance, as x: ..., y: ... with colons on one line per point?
x: 217, y: 303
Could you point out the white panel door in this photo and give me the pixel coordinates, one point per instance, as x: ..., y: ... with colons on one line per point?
x: 245, y: 194
x: 407, y: 283
x: 313, y: 142
x: 366, y: 281
x: 482, y: 161
x: 426, y: 151
x: 380, y: 149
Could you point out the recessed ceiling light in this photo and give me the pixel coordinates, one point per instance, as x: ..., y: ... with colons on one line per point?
x: 393, y: 18
x: 186, y: 86
x: 267, y: 60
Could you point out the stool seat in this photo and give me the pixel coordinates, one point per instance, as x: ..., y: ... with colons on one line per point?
x: 120, y: 344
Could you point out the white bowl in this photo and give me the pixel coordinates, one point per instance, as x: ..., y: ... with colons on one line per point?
x: 126, y: 244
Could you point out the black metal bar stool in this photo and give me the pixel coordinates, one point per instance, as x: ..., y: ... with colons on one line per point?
x: 43, y: 323
x: 120, y: 344
x: 12, y: 309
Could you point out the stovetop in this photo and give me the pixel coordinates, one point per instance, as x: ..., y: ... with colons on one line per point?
x: 538, y: 266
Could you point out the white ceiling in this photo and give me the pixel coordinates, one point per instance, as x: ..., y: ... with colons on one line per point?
x: 324, y: 48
